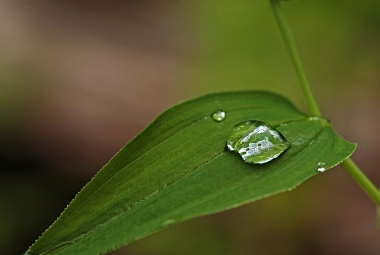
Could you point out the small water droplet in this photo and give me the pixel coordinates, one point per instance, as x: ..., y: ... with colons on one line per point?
x: 257, y: 142
x: 168, y: 222
x: 321, y: 167
x: 219, y: 116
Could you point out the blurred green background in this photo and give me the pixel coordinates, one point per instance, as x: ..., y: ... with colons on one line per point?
x: 80, y: 78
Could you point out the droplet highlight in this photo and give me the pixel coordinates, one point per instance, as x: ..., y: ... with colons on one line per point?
x: 321, y: 167
x: 219, y: 116
x: 257, y: 142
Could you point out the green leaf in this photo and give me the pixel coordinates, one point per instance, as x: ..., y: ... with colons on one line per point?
x: 178, y: 168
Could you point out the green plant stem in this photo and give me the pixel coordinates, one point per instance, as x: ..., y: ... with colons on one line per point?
x: 293, y: 52
x: 355, y: 172
x: 352, y: 169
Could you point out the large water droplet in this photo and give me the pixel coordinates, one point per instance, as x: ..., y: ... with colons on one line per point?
x: 321, y: 167
x: 257, y: 142
x: 219, y: 116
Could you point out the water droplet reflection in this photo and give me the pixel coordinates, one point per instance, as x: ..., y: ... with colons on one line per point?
x: 257, y: 142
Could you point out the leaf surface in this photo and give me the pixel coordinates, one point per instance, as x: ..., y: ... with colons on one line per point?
x: 178, y: 168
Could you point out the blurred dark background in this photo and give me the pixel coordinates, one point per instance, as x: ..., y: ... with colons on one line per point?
x: 79, y: 79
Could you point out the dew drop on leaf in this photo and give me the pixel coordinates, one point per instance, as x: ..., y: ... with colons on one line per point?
x: 257, y: 142
x: 219, y: 116
x: 168, y: 222
x: 321, y: 167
